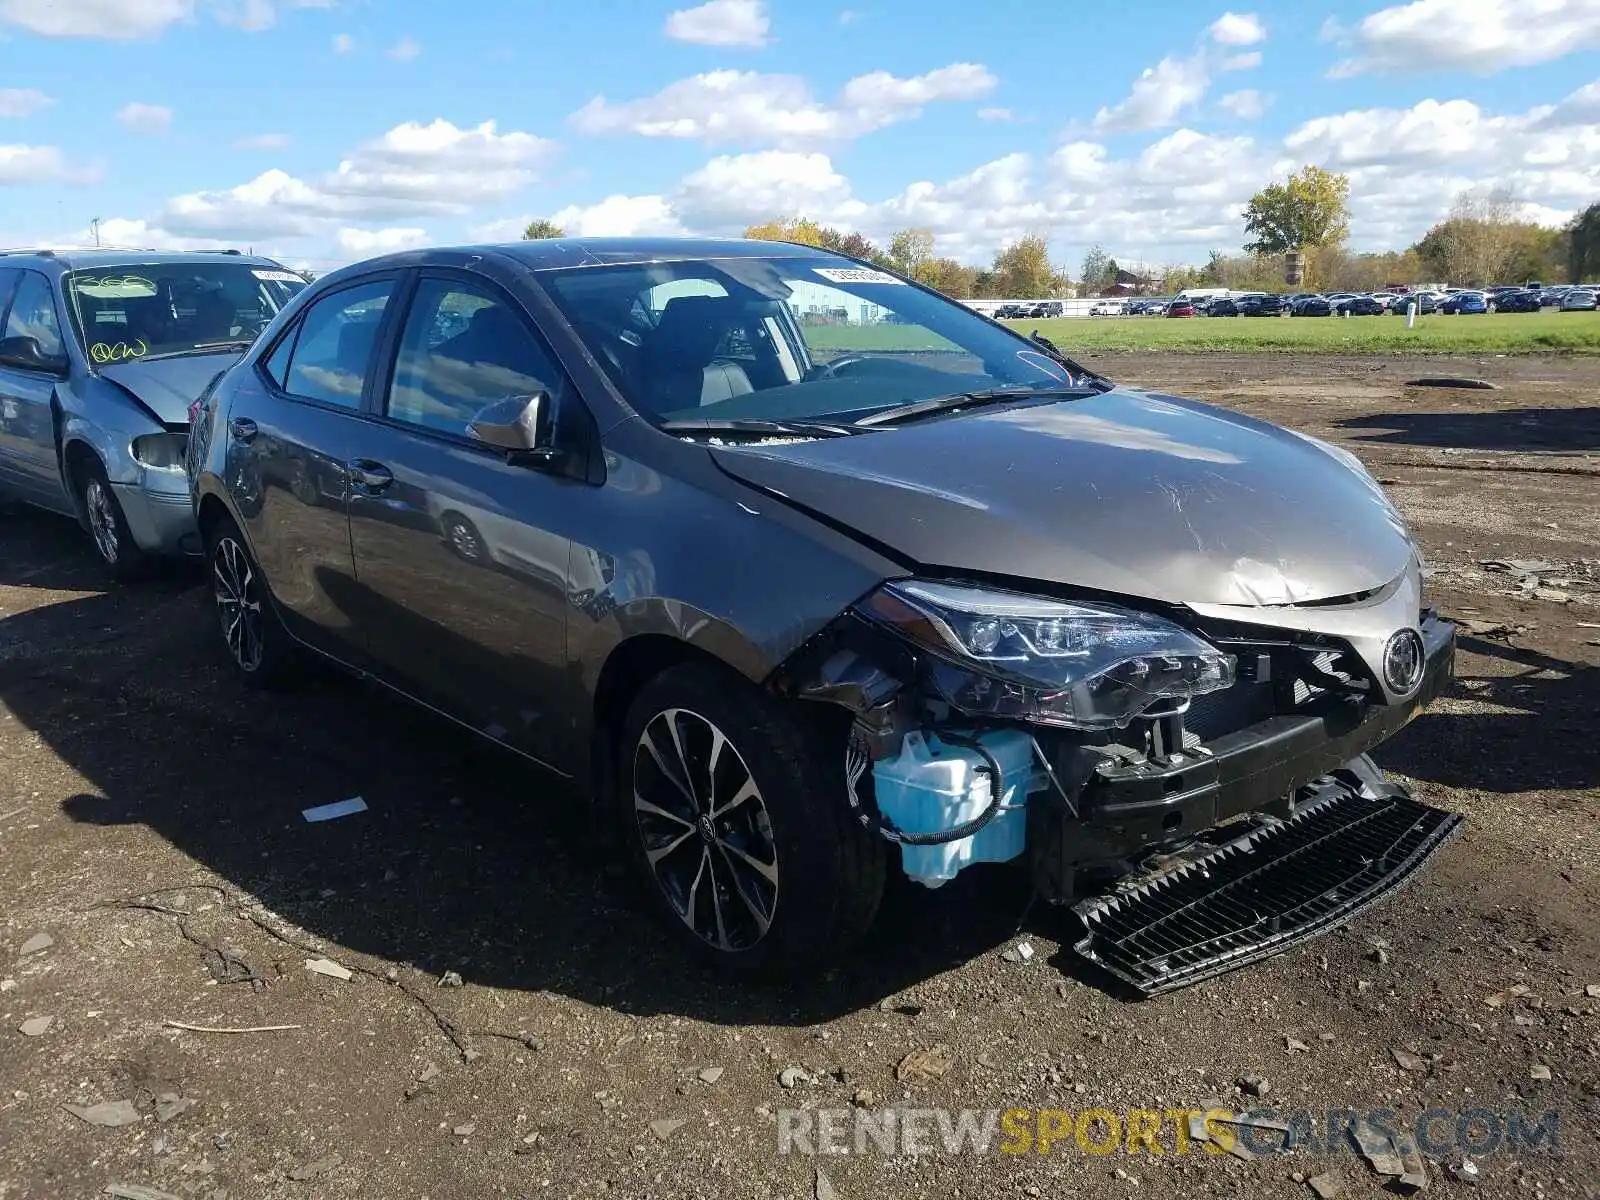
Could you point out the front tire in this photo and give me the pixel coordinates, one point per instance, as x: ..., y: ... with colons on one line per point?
x: 259, y: 648
x: 119, y: 554
x: 733, y: 811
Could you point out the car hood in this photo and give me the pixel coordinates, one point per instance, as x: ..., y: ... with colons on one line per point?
x: 1126, y: 492
x: 167, y: 386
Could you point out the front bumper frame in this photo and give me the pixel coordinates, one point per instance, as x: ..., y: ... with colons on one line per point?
x: 1122, y: 809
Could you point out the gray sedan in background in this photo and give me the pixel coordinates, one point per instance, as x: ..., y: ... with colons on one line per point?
x: 101, y: 355
x: 806, y: 574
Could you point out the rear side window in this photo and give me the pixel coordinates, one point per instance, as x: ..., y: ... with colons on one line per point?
x: 33, y: 314
x: 334, y: 345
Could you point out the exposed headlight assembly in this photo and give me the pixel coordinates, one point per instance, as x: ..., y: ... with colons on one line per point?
x: 1078, y: 665
x: 161, y: 451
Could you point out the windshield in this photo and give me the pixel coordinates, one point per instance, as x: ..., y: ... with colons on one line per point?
x: 785, y: 339
x: 163, y: 308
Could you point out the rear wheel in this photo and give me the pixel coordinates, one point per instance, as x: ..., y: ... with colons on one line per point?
x: 119, y: 553
x: 258, y: 646
x: 733, y: 812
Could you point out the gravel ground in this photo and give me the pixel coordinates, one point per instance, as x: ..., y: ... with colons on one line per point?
x: 150, y: 827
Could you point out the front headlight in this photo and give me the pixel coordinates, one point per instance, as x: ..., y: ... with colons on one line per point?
x: 1079, y: 665
x: 161, y: 451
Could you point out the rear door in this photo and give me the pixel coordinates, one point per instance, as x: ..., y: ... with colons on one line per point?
x: 293, y: 427
x: 458, y: 551
x: 27, y: 423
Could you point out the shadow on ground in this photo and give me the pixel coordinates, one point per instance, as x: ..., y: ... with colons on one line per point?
x: 1572, y: 430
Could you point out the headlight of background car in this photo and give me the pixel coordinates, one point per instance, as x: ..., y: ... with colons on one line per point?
x: 163, y: 451
x: 1083, y: 666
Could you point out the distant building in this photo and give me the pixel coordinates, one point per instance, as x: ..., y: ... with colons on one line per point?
x: 1129, y: 283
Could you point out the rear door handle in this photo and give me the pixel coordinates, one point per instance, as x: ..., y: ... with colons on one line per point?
x: 242, y: 428
x: 373, y: 476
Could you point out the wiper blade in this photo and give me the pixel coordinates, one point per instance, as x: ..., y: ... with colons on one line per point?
x: 938, y: 404
x: 1072, y: 364
x: 757, y: 426
x: 202, y: 348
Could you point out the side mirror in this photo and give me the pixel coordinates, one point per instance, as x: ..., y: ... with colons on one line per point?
x: 24, y: 352
x: 521, y: 426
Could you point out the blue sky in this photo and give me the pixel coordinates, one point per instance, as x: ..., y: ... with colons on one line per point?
x: 325, y: 130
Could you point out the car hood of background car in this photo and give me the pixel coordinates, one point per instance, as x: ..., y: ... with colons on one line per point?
x: 1122, y: 492
x: 167, y: 386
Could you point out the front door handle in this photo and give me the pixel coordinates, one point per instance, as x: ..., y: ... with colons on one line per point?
x: 243, y: 429
x: 373, y: 476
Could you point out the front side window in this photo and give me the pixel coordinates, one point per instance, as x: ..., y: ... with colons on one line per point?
x: 161, y: 309
x: 784, y: 338
x: 33, y: 315
x: 463, y: 349
x: 334, y: 344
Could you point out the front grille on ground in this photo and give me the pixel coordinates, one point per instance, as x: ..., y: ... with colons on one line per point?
x: 1277, y: 886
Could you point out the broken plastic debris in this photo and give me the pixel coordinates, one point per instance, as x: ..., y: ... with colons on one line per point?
x: 1020, y: 953
x: 665, y: 1128
x: 329, y: 812
x: 112, y: 1114
x: 36, y: 1026
x: 137, y: 1191
x: 926, y: 1065
x: 326, y: 966
x: 37, y: 943
x: 170, y: 1106
x: 451, y: 979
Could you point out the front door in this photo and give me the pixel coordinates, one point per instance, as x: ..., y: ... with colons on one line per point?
x: 292, y: 429
x: 458, y: 552
x: 28, y: 463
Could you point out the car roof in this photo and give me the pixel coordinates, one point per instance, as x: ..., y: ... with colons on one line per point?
x: 68, y: 260
x: 545, y: 253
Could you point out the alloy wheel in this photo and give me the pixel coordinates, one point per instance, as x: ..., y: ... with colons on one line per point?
x: 464, y: 540
x: 238, y: 596
x: 102, y: 519
x: 705, y: 829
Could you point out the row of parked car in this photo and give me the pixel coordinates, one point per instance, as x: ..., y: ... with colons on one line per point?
x: 1510, y: 299
x: 795, y: 613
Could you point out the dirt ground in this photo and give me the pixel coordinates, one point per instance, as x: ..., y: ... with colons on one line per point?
x: 131, y: 766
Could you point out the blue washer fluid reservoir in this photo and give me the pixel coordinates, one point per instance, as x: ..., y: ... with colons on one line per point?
x: 933, y: 786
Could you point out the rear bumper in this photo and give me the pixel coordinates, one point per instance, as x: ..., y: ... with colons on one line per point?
x: 1122, y: 808
x: 162, y: 522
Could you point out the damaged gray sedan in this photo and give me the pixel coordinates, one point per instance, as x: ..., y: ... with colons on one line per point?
x: 809, y: 574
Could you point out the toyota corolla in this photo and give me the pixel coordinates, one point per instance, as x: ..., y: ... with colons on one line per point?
x: 808, y: 574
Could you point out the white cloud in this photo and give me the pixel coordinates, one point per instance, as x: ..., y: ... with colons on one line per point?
x: 22, y: 102
x: 998, y: 115
x: 363, y: 243
x: 849, y: 16
x: 1234, y: 29
x: 412, y: 170
x: 343, y: 43
x: 1160, y: 96
x: 265, y: 141
x: 721, y: 23
x: 95, y: 18
x: 122, y: 19
x: 620, y: 216
x: 145, y: 118
x: 1248, y: 61
x: 1468, y: 35
x: 747, y: 106
x: 1247, y: 105
x: 736, y: 190
x: 21, y: 164
x: 405, y: 49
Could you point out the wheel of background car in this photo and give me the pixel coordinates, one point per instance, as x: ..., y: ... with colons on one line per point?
x: 732, y: 807
x: 463, y: 538
x: 119, y: 553
x: 260, y: 649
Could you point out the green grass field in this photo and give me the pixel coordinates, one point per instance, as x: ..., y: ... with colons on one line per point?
x: 1500, y: 333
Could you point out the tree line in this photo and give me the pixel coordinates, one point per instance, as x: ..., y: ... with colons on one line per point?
x: 1481, y: 241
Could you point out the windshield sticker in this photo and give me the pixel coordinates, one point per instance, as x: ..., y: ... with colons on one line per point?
x: 105, y: 353
x: 855, y: 275
x: 115, y: 287
x: 278, y: 276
